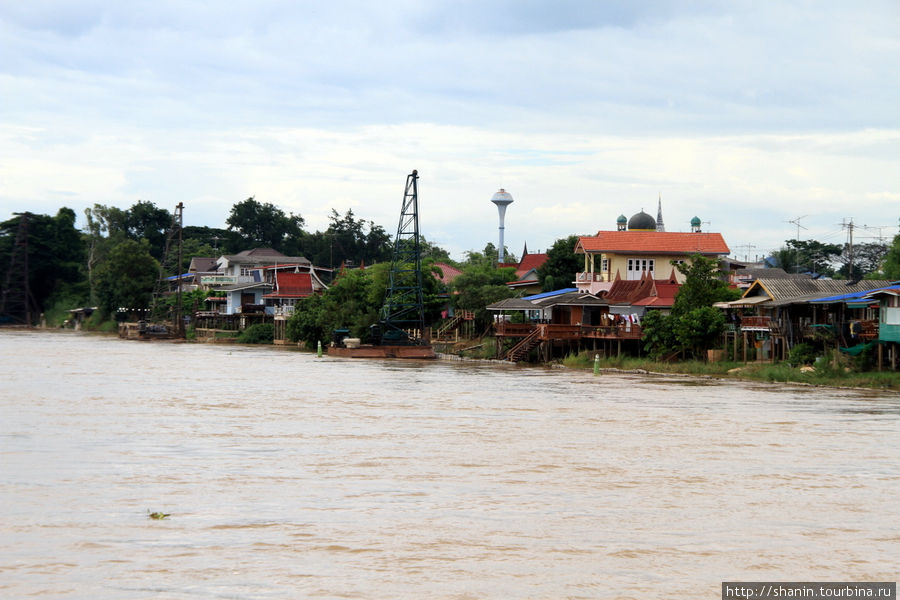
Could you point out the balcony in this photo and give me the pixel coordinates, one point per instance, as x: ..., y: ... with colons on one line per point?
x: 219, y: 280
x: 586, y: 276
x: 756, y: 323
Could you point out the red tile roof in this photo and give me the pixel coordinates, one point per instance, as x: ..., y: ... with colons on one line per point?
x: 531, y: 261
x: 653, y: 242
x: 292, y: 285
x: 449, y: 272
x: 658, y: 293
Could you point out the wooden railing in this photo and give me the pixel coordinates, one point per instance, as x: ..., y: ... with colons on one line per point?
x: 505, y: 329
x: 552, y: 331
x: 521, y: 349
x: 621, y: 331
x: 756, y: 323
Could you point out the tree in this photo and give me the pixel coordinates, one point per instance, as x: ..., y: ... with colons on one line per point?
x: 352, y: 302
x: 480, y: 285
x: 127, y: 277
x: 145, y: 221
x: 562, y: 265
x: 807, y: 256
x: 348, y: 240
x: 658, y: 334
x: 265, y: 225
x: 702, y: 287
x: 693, y: 324
x: 890, y: 267
x: 222, y: 241
x: 55, y: 255
x: 867, y: 258
x: 435, y: 252
x: 488, y: 256
x: 699, y: 328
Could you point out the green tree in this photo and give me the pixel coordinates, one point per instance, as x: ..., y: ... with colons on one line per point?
x: 55, y: 258
x: 354, y: 302
x: 693, y: 324
x: 890, y: 266
x: 127, y: 277
x: 867, y: 258
x: 658, y: 331
x: 562, y: 265
x: 264, y: 225
x: 222, y: 241
x: 435, y: 252
x: 703, y: 285
x: 145, y: 221
x: 799, y: 256
x: 488, y: 256
x: 480, y: 285
x: 699, y: 328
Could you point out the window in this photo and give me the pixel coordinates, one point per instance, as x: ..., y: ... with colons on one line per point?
x: 637, y: 267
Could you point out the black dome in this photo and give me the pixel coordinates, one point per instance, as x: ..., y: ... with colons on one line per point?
x: 642, y: 221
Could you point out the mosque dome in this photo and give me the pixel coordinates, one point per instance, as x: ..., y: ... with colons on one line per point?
x: 622, y: 219
x: 642, y: 222
x: 695, y: 222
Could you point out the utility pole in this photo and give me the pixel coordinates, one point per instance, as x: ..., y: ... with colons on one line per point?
x: 849, y: 228
x: 179, y: 314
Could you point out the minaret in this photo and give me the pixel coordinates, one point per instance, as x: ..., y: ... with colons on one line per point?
x: 502, y: 199
x: 659, y: 220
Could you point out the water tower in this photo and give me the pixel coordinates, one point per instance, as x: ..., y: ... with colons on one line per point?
x: 502, y: 199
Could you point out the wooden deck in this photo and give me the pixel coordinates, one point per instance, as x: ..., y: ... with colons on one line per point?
x: 555, y: 332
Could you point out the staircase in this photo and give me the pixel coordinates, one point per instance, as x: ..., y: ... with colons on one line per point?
x: 520, y: 350
x: 454, y: 323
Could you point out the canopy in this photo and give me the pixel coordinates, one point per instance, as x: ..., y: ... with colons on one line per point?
x: 744, y: 302
x: 513, y: 304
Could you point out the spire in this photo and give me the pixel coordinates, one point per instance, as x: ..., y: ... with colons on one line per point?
x: 659, y: 220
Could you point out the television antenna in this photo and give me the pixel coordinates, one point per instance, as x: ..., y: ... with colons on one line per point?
x: 797, y: 223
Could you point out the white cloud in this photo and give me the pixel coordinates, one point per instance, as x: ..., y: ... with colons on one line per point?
x: 746, y: 114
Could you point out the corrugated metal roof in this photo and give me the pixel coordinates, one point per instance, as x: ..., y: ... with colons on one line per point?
x: 512, y: 304
x: 548, y: 294
x: 795, y: 291
x: 574, y: 298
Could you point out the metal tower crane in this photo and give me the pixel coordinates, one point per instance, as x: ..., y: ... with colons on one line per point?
x: 403, y: 313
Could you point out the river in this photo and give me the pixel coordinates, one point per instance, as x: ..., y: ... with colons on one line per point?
x: 290, y: 476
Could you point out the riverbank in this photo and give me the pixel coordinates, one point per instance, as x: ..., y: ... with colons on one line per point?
x: 826, y: 375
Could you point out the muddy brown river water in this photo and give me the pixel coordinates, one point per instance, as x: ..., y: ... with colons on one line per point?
x: 289, y: 476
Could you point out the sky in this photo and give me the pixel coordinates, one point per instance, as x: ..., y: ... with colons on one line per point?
x: 764, y: 119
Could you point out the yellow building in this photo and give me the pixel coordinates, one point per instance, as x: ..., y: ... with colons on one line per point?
x: 640, y: 246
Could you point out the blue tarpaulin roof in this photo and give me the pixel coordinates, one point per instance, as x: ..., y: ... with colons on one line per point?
x: 848, y: 298
x: 174, y: 277
x: 550, y: 294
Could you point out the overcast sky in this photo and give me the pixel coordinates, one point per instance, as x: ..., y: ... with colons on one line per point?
x: 745, y: 114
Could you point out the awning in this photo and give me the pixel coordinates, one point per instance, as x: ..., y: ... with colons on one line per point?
x: 513, y: 304
x: 744, y: 302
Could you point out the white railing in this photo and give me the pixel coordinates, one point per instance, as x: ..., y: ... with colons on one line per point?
x: 588, y: 276
x: 225, y: 279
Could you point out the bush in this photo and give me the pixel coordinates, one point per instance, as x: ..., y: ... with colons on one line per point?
x: 261, y: 333
x: 802, y: 354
